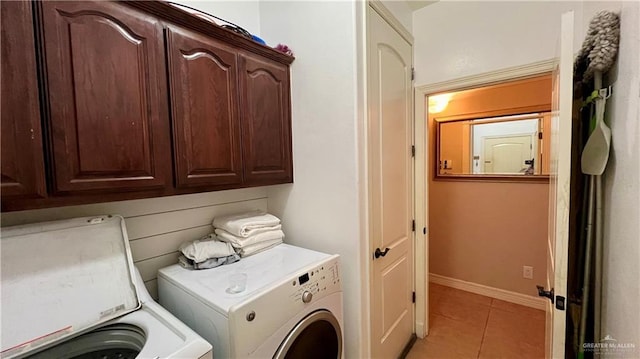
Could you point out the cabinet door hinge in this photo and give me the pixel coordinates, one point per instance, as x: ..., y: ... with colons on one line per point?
x: 413, y: 151
x: 539, y: 135
x: 413, y: 225
x: 413, y: 297
x: 413, y: 73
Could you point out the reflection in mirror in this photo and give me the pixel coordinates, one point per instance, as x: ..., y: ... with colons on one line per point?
x: 507, y: 145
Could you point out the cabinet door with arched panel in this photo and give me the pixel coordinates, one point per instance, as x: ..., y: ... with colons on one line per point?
x: 22, y: 173
x: 108, y: 117
x: 203, y: 76
x: 266, y: 120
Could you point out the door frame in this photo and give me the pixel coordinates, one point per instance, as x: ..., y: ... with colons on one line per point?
x: 422, y: 171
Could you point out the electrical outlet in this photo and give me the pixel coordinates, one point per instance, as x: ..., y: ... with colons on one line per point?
x: 527, y: 272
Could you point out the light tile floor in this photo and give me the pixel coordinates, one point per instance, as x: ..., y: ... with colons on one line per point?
x: 468, y: 325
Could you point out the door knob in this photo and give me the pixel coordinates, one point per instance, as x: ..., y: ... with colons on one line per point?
x: 545, y: 293
x: 378, y: 253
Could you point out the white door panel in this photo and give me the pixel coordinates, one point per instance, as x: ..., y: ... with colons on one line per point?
x: 507, y: 154
x: 390, y: 187
x: 559, y: 189
x: 393, y: 282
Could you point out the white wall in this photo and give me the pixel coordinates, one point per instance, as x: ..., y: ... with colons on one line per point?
x: 157, y: 226
x: 245, y: 14
x: 458, y: 39
x: 401, y: 11
x: 621, y: 284
x: 321, y: 209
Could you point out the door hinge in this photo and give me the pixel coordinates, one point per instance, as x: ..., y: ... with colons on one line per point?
x: 539, y: 135
x: 413, y: 297
x: 413, y: 225
x: 560, y: 302
x: 413, y: 151
x: 413, y: 73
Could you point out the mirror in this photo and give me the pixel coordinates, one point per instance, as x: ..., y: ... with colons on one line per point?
x: 512, y: 146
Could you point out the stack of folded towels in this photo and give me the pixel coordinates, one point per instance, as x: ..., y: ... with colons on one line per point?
x: 207, y: 252
x: 249, y: 233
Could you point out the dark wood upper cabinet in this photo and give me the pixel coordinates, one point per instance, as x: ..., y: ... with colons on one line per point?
x: 203, y: 76
x: 119, y: 100
x: 23, y: 173
x: 106, y: 80
x: 266, y: 120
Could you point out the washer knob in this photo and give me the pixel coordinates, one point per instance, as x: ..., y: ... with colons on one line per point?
x: 306, y: 296
x: 251, y: 316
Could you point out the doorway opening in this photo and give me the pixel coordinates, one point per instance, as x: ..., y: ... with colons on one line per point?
x: 486, y: 227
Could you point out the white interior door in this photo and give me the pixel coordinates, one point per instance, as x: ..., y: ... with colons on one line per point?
x: 506, y: 154
x: 390, y: 188
x: 559, y: 190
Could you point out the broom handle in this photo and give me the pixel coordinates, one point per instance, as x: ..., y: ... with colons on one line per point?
x: 587, y: 267
x: 597, y: 255
x: 597, y: 80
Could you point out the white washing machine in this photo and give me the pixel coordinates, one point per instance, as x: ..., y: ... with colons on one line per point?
x: 70, y: 290
x: 292, y: 305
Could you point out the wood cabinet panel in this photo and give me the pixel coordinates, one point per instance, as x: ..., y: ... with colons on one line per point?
x: 107, y: 97
x: 87, y: 90
x: 203, y: 76
x: 22, y: 156
x: 266, y: 121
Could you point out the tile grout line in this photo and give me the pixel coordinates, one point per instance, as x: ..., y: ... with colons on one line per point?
x: 484, y: 332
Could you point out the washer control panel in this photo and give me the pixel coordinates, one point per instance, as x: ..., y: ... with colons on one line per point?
x: 316, y: 282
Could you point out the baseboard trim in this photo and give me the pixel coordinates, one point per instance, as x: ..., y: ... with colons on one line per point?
x: 507, y: 296
x: 421, y: 330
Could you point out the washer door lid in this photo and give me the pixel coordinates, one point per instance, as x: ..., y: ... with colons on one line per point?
x: 318, y: 335
x: 61, y: 278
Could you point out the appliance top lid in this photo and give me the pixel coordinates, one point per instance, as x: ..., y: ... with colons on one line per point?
x: 263, y: 270
x: 60, y: 278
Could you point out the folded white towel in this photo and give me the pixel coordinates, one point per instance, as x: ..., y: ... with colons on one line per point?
x: 241, y: 242
x: 258, y: 247
x: 205, y: 248
x: 246, y: 224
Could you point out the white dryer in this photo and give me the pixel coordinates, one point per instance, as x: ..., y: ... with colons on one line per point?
x: 292, y: 306
x: 70, y: 290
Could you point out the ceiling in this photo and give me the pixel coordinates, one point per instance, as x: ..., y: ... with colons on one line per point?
x: 419, y: 4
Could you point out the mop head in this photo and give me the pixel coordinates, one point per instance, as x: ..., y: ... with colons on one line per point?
x: 600, y: 46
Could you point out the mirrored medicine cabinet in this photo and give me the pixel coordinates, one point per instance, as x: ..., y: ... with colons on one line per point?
x: 510, y: 147
x: 494, y: 132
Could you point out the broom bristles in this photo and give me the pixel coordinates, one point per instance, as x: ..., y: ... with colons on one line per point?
x: 600, y: 45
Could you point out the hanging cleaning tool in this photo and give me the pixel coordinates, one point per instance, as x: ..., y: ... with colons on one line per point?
x: 593, y: 163
x: 598, y: 52
x: 596, y: 152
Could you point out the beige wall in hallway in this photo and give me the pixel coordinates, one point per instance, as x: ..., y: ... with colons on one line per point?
x: 484, y: 232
